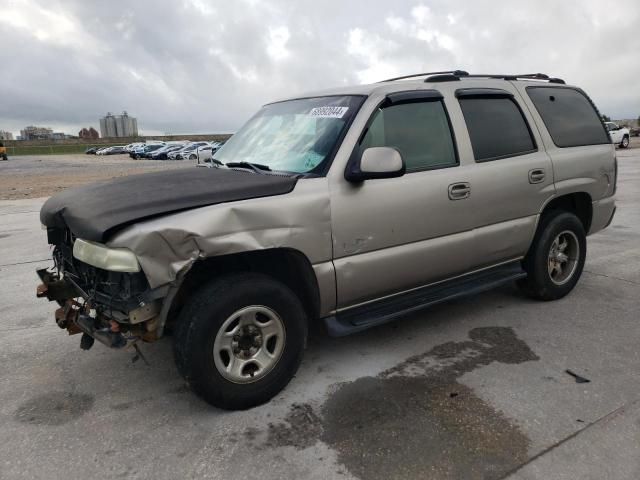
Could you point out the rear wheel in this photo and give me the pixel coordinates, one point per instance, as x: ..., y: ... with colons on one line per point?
x: 240, y: 340
x: 556, y: 258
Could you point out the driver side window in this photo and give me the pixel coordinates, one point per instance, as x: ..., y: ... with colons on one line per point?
x: 420, y: 131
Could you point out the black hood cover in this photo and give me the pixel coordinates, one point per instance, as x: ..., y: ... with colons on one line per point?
x: 93, y: 212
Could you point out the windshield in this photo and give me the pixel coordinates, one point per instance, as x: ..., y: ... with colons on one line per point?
x: 295, y: 136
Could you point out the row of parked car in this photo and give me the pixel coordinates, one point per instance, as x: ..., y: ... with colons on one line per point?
x: 178, y: 150
x: 116, y: 150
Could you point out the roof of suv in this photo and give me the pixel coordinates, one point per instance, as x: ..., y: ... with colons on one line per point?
x: 435, y: 79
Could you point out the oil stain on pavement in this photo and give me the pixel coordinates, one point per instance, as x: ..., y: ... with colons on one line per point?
x: 416, y: 420
x: 55, y: 408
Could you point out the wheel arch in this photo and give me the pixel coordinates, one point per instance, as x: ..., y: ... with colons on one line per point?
x: 287, y: 265
x: 578, y: 203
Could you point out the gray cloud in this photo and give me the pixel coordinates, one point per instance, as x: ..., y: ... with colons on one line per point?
x: 205, y: 66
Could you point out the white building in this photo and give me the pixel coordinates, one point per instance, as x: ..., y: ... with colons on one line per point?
x: 6, y: 135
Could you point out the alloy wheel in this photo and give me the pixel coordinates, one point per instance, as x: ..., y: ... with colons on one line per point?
x: 563, y: 257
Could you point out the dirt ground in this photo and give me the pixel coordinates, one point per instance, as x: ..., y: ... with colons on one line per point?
x: 37, y: 176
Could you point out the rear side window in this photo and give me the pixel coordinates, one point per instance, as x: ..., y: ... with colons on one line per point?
x: 497, y: 128
x: 419, y: 130
x: 570, y: 117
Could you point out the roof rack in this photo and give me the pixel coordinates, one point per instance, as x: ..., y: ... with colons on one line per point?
x: 455, y: 75
x: 523, y: 76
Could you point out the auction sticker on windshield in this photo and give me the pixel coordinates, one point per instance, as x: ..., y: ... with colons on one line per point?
x: 328, y: 112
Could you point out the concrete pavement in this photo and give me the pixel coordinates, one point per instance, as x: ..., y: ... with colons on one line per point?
x: 474, y: 388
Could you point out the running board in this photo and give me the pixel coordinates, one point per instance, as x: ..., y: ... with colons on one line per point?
x: 378, y: 312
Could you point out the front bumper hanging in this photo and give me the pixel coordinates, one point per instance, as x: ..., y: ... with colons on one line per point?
x: 75, y: 316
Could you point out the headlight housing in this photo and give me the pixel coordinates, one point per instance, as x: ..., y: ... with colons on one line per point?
x: 100, y: 256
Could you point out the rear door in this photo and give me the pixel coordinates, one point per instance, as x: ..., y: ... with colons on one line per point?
x: 513, y: 175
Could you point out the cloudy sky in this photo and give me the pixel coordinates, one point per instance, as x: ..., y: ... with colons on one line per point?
x: 183, y: 66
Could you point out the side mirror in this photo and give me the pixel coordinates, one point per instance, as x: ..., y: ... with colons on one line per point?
x: 376, y: 162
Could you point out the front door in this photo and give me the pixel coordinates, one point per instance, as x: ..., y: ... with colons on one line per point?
x: 394, y: 234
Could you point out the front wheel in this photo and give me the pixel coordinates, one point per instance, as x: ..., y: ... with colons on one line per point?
x: 240, y: 340
x: 556, y: 258
x: 625, y: 142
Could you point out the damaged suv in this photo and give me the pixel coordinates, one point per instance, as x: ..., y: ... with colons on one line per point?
x: 353, y: 206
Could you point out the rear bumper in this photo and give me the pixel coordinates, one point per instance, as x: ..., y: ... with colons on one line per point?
x: 603, y: 212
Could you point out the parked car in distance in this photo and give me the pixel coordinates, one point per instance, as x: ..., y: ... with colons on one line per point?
x: 619, y: 135
x: 205, y: 152
x: 118, y: 150
x: 162, y: 153
x: 177, y: 154
x: 92, y: 150
x: 375, y: 201
x: 190, y: 152
x: 173, y: 154
x: 132, y: 146
x: 138, y: 152
x: 114, y: 150
x: 147, y: 152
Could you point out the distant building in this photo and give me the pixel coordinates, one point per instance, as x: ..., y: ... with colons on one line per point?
x: 89, y: 133
x: 41, y: 133
x: 6, y: 135
x: 36, y: 133
x: 118, y: 125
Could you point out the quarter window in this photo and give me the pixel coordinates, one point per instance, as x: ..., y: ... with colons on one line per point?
x: 419, y: 130
x: 497, y: 128
x: 570, y: 117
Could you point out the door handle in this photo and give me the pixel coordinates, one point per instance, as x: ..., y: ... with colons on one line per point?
x: 536, y: 175
x: 460, y: 190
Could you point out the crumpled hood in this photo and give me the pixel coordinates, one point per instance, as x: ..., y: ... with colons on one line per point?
x: 93, y: 212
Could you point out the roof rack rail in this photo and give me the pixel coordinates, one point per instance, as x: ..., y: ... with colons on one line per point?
x: 524, y: 76
x: 454, y: 75
x: 457, y: 73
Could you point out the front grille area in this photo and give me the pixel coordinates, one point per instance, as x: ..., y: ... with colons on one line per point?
x: 104, y: 290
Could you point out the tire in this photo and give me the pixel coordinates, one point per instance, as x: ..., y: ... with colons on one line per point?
x: 192, y: 157
x: 544, y: 281
x: 216, y: 308
x: 625, y: 142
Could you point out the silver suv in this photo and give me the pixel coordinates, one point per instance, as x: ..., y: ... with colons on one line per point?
x: 353, y: 206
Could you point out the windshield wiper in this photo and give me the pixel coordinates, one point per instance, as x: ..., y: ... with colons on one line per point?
x: 256, y: 167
